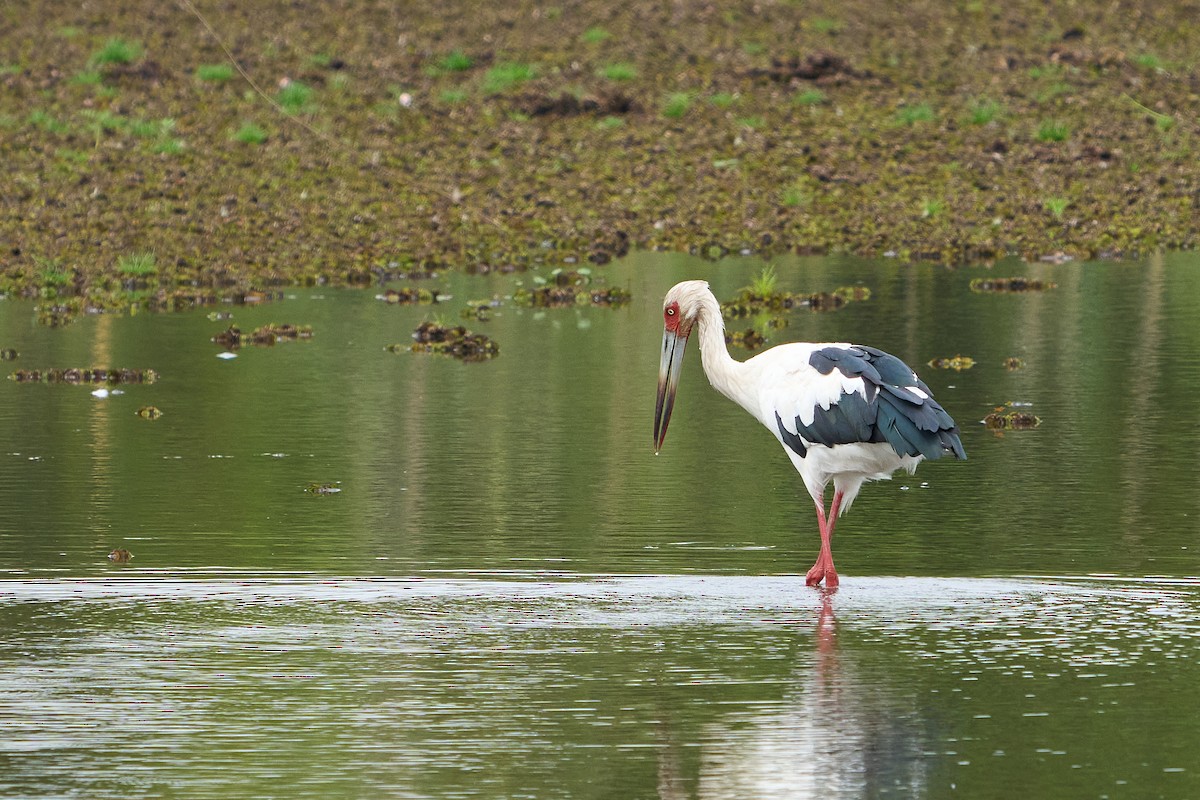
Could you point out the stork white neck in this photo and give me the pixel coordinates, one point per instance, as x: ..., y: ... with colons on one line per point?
x: 725, y: 374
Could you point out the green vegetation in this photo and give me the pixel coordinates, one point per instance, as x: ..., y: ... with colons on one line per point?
x: 295, y: 98
x: 932, y: 208
x: 983, y: 111
x: 764, y: 283
x: 137, y: 264
x: 826, y: 25
x: 754, y: 122
x: 676, y: 105
x: 594, y: 35
x: 249, y: 133
x: 88, y: 78
x: 1056, y: 205
x: 214, y: 73
x: 1148, y: 60
x: 1051, y: 130
x: 456, y: 61
x: 619, y: 72
x: 723, y: 99
x: 116, y: 51
x: 796, y: 195
x: 911, y: 115
x: 452, y: 96
x: 809, y: 97
x: 508, y: 75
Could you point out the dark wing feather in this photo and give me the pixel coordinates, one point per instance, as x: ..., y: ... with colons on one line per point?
x: 912, y: 422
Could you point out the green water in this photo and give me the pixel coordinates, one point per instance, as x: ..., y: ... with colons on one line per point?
x: 513, y: 597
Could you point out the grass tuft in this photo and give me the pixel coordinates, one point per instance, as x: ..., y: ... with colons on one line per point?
x: 676, y: 105
x: 214, y: 73
x: 503, y: 77
x: 116, y: 51
x: 295, y: 97
x: 250, y: 133
x: 137, y: 264
x: 1053, y: 131
x: 620, y: 71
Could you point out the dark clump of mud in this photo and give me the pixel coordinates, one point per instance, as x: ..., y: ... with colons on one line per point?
x: 454, y: 341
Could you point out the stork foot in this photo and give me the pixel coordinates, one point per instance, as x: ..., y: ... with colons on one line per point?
x: 822, y: 571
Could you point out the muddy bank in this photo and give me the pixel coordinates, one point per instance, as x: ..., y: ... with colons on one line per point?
x: 478, y: 138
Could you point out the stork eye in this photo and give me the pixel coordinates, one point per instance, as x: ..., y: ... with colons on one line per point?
x: 670, y: 312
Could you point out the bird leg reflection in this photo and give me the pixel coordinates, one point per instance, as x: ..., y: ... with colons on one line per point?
x: 823, y: 569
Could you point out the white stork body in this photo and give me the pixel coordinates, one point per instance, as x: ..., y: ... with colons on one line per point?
x: 843, y: 413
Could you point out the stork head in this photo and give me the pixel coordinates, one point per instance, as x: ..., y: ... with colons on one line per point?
x: 681, y: 307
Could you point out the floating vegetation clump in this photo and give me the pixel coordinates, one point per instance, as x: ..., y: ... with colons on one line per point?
x: 750, y: 339
x: 956, y: 363
x: 109, y: 377
x: 120, y: 556
x: 1007, y: 417
x: 409, y: 296
x: 8, y: 354
x: 764, y: 296
x: 480, y: 309
x: 569, y: 287
x: 322, y: 488
x: 456, y: 341
x: 1012, y: 364
x: 561, y: 296
x: 149, y: 412
x: 1011, y: 285
x: 232, y: 337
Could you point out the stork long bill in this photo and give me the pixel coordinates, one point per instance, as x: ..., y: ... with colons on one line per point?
x: 668, y: 381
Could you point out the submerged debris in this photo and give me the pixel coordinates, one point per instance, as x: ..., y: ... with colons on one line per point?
x: 456, y: 341
x: 322, y: 488
x: 8, y: 354
x: 1011, y: 285
x: 232, y: 337
x: 1012, y: 364
x: 110, y: 377
x: 120, y: 556
x: 957, y: 363
x: 149, y: 412
x: 409, y: 296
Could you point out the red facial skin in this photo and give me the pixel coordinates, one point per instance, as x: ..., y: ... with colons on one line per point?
x: 674, y: 322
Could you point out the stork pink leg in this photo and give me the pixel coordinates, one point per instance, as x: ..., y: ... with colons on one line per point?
x: 823, y: 569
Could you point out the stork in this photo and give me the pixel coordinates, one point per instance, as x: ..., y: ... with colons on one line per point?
x: 843, y: 412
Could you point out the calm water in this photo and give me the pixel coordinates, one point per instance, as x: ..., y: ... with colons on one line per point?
x: 513, y: 597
